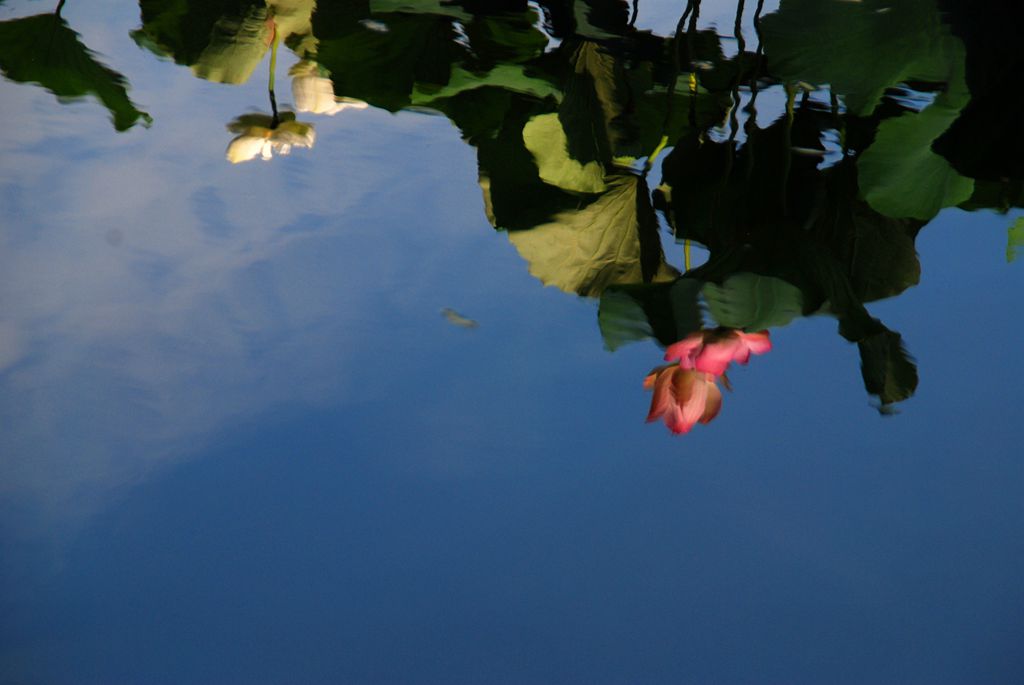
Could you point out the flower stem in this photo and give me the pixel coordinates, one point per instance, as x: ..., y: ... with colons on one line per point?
x: 273, y: 70
x: 657, y: 151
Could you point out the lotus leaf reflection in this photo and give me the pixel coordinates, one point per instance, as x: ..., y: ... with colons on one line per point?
x: 807, y: 201
x: 374, y: 415
x: 220, y: 41
x: 43, y: 49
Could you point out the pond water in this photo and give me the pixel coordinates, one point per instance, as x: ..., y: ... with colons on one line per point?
x: 325, y: 330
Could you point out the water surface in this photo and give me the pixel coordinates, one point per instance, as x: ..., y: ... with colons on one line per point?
x: 372, y: 411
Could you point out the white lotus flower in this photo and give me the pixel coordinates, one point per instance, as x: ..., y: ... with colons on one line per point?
x: 313, y: 92
x: 258, y: 137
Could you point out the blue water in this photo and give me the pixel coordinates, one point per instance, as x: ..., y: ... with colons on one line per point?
x: 241, y: 444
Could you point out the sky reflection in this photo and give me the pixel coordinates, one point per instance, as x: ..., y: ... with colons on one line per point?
x: 317, y: 421
x: 145, y: 308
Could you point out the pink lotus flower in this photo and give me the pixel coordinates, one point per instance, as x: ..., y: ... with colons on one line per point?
x: 686, y: 392
x: 712, y: 351
x: 683, y: 397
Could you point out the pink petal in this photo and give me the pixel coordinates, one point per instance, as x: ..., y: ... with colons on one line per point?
x: 715, y: 357
x: 685, y: 350
x: 758, y: 343
x: 662, y: 401
x: 714, y: 402
x: 742, y: 353
x: 676, y: 421
x: 689, y: 391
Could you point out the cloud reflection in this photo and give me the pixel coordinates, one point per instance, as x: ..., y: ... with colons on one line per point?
x: 144, y: 310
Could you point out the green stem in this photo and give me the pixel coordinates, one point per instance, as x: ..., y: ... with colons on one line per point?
x: 657, y: 151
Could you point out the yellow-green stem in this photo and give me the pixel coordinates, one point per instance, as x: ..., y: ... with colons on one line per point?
x: 657, y: 151
x: 273, y: 60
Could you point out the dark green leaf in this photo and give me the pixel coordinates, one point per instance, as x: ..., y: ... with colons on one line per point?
x: 667, y: 312
x: 900, y: 175
x: 383, y: 67
x: 753, y: 302
x: 223, y: 40
x: 860, y: 48
x: 612, y: 240
x: 889, y: 372
x: 43, y: 49
x: 1014, y: 239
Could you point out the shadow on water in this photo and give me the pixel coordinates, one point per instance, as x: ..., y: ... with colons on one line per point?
x: 805, y: 159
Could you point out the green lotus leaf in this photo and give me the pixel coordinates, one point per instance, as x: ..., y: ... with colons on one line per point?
x: 753, y: 302
x: 1014, y: 239
x: 43, y: 49
x: 510, y: 77
x: 546, y: 141
x: 901, y: 177
x: 612, y: 240
x: 384, y: 61
x: 667, y: 312
x: 888, y: 370
x: 860, y: 48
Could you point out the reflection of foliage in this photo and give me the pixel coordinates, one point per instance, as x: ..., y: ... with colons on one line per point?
x: 43, y: 49
x: 222, y: 40
x: 763, y: 209
x: 553, y: 130
x: 594, y: 108
x: 788, y: 235
x: 1014, y: 239
x: 987, y: 141
x: 545, y: 138
x: 382, y: 66
x: 900, y: 174
x: 864, y: 49
x: 860, y: 48
x: 666, y: 312
x: 889, y: 374
x: 612, y: 240
x: 751, y: 302
x: 568, y: 107
x: 182, y: 30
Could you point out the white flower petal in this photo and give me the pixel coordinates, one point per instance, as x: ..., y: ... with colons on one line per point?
x: 316, y: 94
x: 244, y: 148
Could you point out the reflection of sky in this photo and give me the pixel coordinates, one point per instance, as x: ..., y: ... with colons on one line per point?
x: 229, y: 397
x: 151, y: 293
x: 662, y: 16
